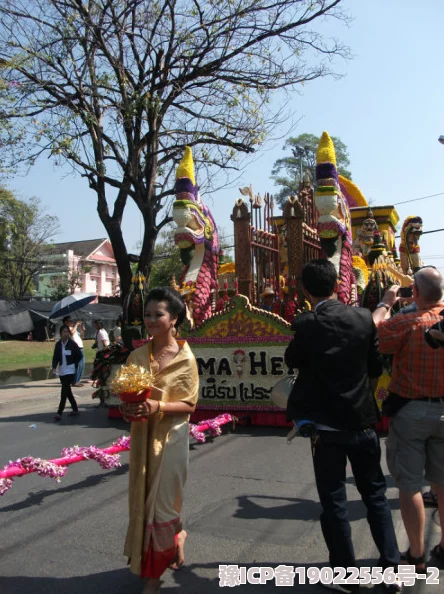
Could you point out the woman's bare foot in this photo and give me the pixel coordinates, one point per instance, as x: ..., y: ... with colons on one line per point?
x: 180, y: 556
x: 152, y: 586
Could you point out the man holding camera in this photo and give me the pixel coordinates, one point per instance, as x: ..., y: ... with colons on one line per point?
x: 335, y: 350
x: 415, y: 446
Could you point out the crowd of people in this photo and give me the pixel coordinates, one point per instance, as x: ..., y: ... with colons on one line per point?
x: 337, y: 351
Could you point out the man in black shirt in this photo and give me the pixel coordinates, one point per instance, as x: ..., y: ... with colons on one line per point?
x: 335, y: 349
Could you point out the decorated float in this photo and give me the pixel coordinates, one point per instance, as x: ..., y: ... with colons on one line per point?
x: 240, y: 313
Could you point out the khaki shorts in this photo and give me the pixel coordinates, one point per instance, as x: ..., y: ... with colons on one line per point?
x: 415, y: 445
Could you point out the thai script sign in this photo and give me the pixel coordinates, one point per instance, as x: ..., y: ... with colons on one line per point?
x: 239, y: 375
x: 240, y: 356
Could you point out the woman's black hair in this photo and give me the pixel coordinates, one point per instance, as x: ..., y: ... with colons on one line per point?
x: 62, y: 327
x: 175, y: 305
x: 99, y: 323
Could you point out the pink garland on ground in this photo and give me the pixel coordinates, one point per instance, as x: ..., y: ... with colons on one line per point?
x: 211, y: 425
x: 107, y: 457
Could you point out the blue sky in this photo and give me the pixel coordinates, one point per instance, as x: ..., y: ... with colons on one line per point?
x: 388, y: 109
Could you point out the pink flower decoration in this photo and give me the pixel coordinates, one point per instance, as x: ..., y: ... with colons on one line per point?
x: 5, y: 485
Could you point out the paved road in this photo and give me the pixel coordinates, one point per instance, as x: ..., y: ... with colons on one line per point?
x: 250, y: 500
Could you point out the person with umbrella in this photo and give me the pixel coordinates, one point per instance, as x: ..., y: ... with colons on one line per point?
x: 77, y: 338
x: 66, y: 356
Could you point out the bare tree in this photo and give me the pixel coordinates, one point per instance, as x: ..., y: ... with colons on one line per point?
x: 117, y: 88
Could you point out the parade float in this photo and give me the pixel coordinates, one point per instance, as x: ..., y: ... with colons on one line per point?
x: 239, y: 340
x: 238, y: 336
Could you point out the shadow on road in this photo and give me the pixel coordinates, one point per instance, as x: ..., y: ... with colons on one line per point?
x: 306, y: 510
x: 38, y: 497
x: 41, y: 385
x: 121, y: 581
x: 90, y: 416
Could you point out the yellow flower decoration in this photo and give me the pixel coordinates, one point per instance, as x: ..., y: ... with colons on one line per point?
x: 358, y: 262
x: 326, y: 150
x: 353, y: 191
x: 381, y: 391
x: 228, y: 268
x: 186, y: 166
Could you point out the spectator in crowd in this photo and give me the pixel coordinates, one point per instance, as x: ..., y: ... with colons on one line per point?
x: 268, y: 297
x: 77, y: 331
x: 429, y: 497
x: 102, y: 338
x: 335, y: 349
x: 415, y: 445
x: 115, y: 333
x: 66, y: 356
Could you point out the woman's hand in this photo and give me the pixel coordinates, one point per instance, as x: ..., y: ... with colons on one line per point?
x: 141, y: 410
x: 149, y: 407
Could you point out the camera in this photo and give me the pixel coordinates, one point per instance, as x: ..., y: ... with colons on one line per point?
x: 305, y: 428
x: 434, y: 342
x: 405, y: 292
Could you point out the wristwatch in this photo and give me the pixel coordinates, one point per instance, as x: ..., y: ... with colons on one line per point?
x: 382, y: 304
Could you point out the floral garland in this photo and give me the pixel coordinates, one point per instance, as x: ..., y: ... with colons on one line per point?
x: 211, y: 425
x: 105, y: 460
x: 107, y: 457
x: 44, y: 468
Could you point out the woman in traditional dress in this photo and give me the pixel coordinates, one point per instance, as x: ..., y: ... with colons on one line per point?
x: 160, y: 444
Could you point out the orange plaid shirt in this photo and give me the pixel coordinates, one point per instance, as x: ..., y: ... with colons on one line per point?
x: 418, y: 370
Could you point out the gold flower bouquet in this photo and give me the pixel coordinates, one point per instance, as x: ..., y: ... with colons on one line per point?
x: 133, y: 384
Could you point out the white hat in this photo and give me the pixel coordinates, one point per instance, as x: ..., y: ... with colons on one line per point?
x: 267, y: 291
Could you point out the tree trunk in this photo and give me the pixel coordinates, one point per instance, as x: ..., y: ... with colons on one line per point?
x: 149, y: 242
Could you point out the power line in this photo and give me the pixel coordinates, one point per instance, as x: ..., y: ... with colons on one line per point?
x: 417, y: 199
x: 424, y: 232
x: 434, y: 231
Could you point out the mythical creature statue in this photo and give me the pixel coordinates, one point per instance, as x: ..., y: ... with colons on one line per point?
x: 334, y: 223
x: 364, y: 236
x: 380, y: 277
x: 196, y: 236
x: 409, y: 247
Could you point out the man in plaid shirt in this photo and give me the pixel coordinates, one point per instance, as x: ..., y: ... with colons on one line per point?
x: 415, y: 445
